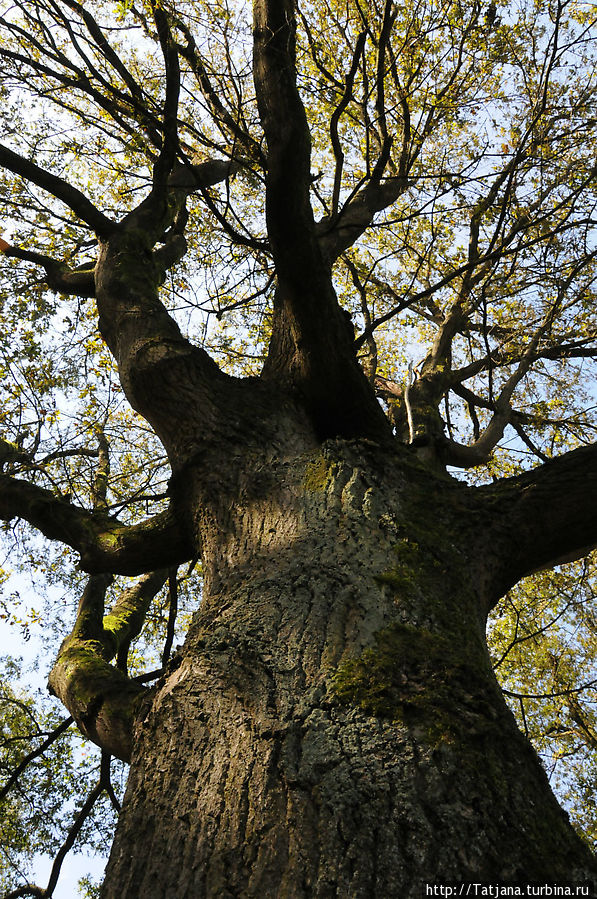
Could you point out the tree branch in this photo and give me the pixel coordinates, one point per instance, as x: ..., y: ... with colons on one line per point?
x: 60, y: 277
x: 125, y: 619
x: 312, y: 344
x: 542, y: 518
x: 167, y: 156
x: 66, y: 193
x: 222, y: 117
x: 336, y: 116
x: 99, y: 696
x: 34, y: 754
x: 104, y: 543
x: 107, y: 51
x: 481, y: 449
x: 71, y: 837
x: 172, y: 615
x: 337, y: 235
x: 291, y: 226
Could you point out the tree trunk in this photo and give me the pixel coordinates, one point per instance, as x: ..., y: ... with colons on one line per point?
x: 332, y: 726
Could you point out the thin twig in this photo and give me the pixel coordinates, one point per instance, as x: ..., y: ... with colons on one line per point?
x: 51, y: 738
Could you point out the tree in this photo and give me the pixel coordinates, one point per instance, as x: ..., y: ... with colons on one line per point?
x: 262, y: 226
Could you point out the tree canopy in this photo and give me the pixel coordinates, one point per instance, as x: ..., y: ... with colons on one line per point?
x: 438, y: 158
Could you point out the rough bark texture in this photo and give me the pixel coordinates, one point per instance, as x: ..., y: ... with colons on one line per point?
x: 332, y: 726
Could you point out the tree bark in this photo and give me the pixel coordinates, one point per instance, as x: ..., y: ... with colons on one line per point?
x: 312, y: 344
x: 332, y: 726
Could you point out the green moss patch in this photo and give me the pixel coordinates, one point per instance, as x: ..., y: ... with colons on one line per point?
x: 317, y: 474
x: 417, y: 677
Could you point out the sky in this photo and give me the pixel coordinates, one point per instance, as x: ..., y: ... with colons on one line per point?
x: 74, y: 867
x: 75, y: 864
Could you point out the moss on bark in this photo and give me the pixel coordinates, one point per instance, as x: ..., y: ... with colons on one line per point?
x: 416, y: 677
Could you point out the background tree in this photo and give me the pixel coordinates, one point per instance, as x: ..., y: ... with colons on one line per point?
x: 270, y: 285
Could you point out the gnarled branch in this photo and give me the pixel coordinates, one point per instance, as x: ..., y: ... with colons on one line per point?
x: 100, y: 697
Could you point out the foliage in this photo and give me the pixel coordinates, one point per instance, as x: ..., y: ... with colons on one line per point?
x: 543, y: 645
x: 453, y: 181
x: 43, y: 766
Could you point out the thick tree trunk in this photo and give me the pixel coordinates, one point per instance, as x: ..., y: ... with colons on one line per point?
x: 332, y: 726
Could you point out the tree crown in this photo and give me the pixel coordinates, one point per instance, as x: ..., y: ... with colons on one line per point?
x: 381, y: 215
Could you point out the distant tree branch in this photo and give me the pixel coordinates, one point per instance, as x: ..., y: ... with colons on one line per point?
x: 107, y: 51
x: 28, y: 890
x: 221, y: 115
x: 523, y: 235
x: 338, y: 232
x: 103, y: 785
x: 588, y: 732
x: 72, y: 835
x: 244, y: 240
x: 584, y: 348
x: 336, y: 116
x: 555, y: 694
x: 480, y: 451
x: 53, y: 66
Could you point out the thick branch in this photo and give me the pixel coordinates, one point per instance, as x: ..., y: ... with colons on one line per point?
x: 144, y: 339
x: 169, y: 148
x: 542, y: 518
x: 288, y: 209
x: 100, y: 697
x: 195, y: 176
x: 66, y: 193
x: 59, y: 276
x: 81, y: 281
x: 102, y: 700
x: 126, y: 617
x: 336, y: 116
x: 337, y: 235
x: 312, y: 344
x: 104, y: 543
